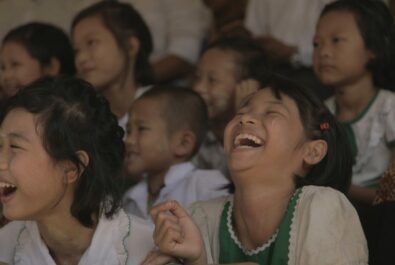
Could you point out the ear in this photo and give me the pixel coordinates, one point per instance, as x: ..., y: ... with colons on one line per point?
x: 183, y: 143
x: 53, y: 68
x: 133, y: 47
x: 315, y: 152
x: 71, y: 174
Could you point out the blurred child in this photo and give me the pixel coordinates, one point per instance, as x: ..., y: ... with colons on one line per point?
x: 223, y: 65
x: 354, y: 47
x: 284, y: 149
x: 31, y: 51
x: 112, y: 45
x: 60, y: 163
x: 166, y: 128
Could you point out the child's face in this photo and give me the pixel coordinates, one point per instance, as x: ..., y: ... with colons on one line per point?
x: 37, y: 182
x: 148, y: 144
x: 340, y: 56
x: 216, y: 82
x: 98, y: 58
x: 266, y: 135
x: 18, y: 68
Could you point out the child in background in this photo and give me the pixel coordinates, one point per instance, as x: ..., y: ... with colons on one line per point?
x: 60, y: 163
x: 32, y: 51
x: 166, y: 128
x: 354, y: 48
x: 112, y: 45
x: 284, y: 148
x: 223, y: 65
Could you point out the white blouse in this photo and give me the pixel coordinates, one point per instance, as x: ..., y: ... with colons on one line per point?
x: 122, y: 240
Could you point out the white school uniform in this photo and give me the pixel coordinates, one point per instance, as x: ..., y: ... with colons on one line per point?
x: 122, y: 240
x: 183, y: 183
x: 372, y: 136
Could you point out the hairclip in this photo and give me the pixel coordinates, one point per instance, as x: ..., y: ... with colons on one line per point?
x: 324, y: 126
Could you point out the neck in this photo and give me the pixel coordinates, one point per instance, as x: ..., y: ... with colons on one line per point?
x: 258, y: 211
x: 121, y: 95
x: 155, y: 182
x: 65, y: 237
x: 352, y: 99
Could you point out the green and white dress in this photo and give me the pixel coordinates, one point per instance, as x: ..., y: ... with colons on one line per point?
x: 319, y: 226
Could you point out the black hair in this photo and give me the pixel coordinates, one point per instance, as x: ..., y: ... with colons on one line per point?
x: 246, y: 53
x: 376, y: 26
x: 123, y: 21
x: 335, y: 169
x: 73, y: 117
x: 44, y: 42
x: 182, y: 108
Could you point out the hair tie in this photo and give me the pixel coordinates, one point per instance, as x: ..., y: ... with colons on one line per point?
x: 324, y: 126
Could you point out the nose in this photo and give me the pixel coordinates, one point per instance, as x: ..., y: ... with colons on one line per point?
x: 247, y: 118
x: 81, y: 59
x: 324, y: 50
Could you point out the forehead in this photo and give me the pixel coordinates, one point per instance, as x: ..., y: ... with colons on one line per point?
x: 89, y: 26
x: 21, y: 122
x: 266, y: 96
x: 337, y: 21
x: 148, y: 108
x: 14, y: 49
x: 214, y: 57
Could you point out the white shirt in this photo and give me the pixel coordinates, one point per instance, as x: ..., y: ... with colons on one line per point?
x: 183, y: 182
x: 373, y: 134
x: 122, y: 240
x: 178, y: 27
x: 290, y: 21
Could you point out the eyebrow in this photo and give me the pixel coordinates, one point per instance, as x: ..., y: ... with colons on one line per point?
x: 278, y: 103
x: 18, y: 137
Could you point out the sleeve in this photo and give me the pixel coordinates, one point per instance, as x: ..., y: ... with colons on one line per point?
x: 255, y: 19
x: 187, y: 25
x: 390, y: 121
x: 327, y: 231
x: 8, y: 240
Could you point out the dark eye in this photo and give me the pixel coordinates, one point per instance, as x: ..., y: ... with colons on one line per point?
x: 92, y: 42
x: 315, y: 44
x: 212, y: 80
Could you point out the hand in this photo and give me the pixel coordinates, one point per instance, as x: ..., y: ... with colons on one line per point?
x: 244, y: 89
x: 176, y: 234
x: 156, y: 257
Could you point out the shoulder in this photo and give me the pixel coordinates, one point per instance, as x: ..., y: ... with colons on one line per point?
x: 210, y: 209
x: 326, y: 226
x: 8, y: 240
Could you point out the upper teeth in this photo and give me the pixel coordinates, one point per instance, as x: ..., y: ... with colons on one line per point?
x: 247, y: 136
x: 6, y: 185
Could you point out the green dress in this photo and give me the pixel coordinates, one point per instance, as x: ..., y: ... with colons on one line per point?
x: 274, y: 252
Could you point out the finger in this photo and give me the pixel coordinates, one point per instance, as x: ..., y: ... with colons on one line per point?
x: 164, y: 227
x: 163, y: 207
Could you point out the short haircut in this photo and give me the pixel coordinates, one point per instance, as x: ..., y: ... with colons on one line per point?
x: 376, y: 26
x: 123, y: 21
x: 247, y: 53
x: 44, y: 42
x: 74, y: 117
x: 183, y: 108
x: 335, y: 169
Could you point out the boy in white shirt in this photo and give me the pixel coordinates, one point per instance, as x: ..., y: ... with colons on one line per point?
x: 165, y: 130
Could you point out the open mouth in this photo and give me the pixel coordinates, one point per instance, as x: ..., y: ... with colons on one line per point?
x: 245, y: 140
x: 6, y: 189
